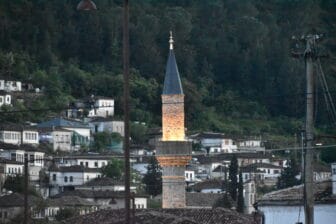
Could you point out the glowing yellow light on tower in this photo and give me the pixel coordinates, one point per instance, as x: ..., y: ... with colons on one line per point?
x: 173, y: 117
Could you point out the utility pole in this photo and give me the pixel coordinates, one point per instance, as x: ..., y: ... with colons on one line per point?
x: 310, y: 55
x: 26, y: 175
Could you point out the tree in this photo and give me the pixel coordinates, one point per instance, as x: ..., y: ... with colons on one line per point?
x: 138, y: 133
x: 114, y: 169
x: 288, y: 176
x: 233, y: 172
x: 15, y: 183
x: 224, y: 202
x: 153, y: 177
x: 240, y: 202
x: 65, y: 213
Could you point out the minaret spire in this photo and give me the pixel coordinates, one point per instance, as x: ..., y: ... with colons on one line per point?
x: 171, y: 41
x: 172, y: 82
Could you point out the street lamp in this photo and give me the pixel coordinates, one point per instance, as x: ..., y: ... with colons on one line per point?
x: 89, y: 5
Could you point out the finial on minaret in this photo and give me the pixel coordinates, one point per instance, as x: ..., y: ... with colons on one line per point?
x: 171, y: 41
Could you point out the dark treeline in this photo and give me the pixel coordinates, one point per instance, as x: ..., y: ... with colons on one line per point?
x: 234, y: 57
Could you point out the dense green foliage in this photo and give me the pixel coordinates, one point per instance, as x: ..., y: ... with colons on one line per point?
x: 153, y: 178
x: 14, y: 183
x: 114, y: 169
x: 104, y: 140
x: 233, y: 56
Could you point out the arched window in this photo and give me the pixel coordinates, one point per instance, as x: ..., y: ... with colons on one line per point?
x: 65, y: 179
x: 71, y: 178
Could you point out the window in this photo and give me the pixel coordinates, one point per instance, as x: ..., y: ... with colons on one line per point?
x: 71, y: 178
x: 81, y: 163
x: 65, y: 179
x: 96, y: 164
x: 87, y: 164
x: 13, y: 156
x: 54, y: 177
x: 334, y: 170
x: 87, y: 177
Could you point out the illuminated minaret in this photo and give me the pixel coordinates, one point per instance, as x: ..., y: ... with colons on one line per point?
x: 173, y: 151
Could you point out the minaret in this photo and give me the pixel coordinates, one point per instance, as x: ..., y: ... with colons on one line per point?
x: 173, y: 151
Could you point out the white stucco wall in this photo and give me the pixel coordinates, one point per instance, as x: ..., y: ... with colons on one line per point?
x: 30, y: 137
x: 323, y: 214
x: 86, y: 132
x: 91, y: 163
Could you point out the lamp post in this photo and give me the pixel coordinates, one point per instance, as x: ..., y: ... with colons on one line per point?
x: 89, y: 5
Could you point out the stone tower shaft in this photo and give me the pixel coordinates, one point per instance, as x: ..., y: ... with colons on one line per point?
x: 173, y: 151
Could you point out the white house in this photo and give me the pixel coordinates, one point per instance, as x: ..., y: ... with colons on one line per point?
x: 262, y: 173
x: 54, y: 205
x: 286, y: 205
x: 251, y: 145
x: 81, y: 132
x: 104, y: 183
x: 12, y: 205
x: 10, y: 86
x: 9, y: 168
x: 189, y: 175
x: 60, y: 139
x: 89, y: 161
x: 18, y: 134
x: 107, y: 124
x: 102, y: 107
x: 5, y: 98
x: 19, y: 152
x: 107, y: 199
x: 67, y: 177
x: 214, y: 142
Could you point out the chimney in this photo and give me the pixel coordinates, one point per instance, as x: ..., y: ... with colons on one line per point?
x: 333, y: 178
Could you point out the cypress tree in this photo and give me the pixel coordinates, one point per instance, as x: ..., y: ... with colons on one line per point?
x: 153, y: 178
x: 233, y: 172
x: 240, y: 202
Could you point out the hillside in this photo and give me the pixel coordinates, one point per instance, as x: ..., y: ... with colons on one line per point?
x: 233, y: 56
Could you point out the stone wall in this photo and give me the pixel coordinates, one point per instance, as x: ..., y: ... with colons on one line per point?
x: 173, y: 192
x: 173, y: 156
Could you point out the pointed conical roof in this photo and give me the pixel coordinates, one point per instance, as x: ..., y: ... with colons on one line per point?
x: 172, y: 82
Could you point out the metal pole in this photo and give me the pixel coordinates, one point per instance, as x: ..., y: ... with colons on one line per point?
x: 308, y: 189
x: 25, y: 221
x: 133, y: 208
x: 126, y: 109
